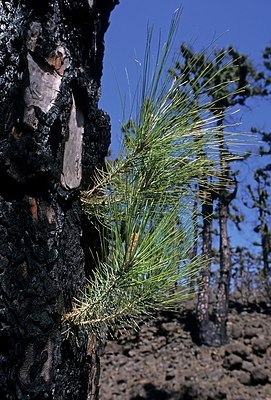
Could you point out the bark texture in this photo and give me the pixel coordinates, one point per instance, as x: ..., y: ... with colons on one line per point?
x: 212, y: 325
x: 225, y: 197
x: 52, y: 135
x: 205, y: 326
x: 222, y: 297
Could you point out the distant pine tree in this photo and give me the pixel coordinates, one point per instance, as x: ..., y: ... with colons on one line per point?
x: 227, y: 79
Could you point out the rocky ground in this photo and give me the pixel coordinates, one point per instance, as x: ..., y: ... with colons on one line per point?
x: 161, y: 361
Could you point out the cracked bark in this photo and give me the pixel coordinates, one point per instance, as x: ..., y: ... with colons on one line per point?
x: 52, y: 135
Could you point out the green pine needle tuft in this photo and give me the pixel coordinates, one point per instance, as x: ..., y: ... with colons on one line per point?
x: 143, y: 202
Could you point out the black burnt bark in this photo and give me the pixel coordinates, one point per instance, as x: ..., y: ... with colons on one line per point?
x: 204, y: 324
x: 52, y: 135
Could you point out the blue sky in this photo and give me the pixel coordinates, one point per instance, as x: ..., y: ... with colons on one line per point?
x: 244, y: 24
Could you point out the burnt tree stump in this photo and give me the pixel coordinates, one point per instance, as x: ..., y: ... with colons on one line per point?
x: 52, y: 135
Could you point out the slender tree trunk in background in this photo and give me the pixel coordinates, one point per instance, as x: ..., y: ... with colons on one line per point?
x: 222, y: 297
x: 194, y: 250
x: 52, y: 135
x: 212, y: 329
x: 225, y: 197
x: 260, y: 201
x: 264, y: 232
x: 265, y: 242
x: 202, y: 308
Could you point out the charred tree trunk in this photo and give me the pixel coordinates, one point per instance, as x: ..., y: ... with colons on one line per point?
x: 265, y: 236
x: 212, y: 326
x: 265, y: 242
x: 205, y: 325
x: 222, y: 297
x: 194, y: 250
x: 225, y: 198
x: 52, y: 135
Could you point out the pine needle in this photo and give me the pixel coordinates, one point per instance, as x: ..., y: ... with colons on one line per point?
x: 143, y: 202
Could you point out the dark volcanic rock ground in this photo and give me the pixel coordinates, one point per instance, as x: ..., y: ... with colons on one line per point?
x: 161, y: 362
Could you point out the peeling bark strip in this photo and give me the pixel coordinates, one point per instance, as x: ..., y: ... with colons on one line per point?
x: 43, y: 89
x: 72, y: 164
x: 52, y: 135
